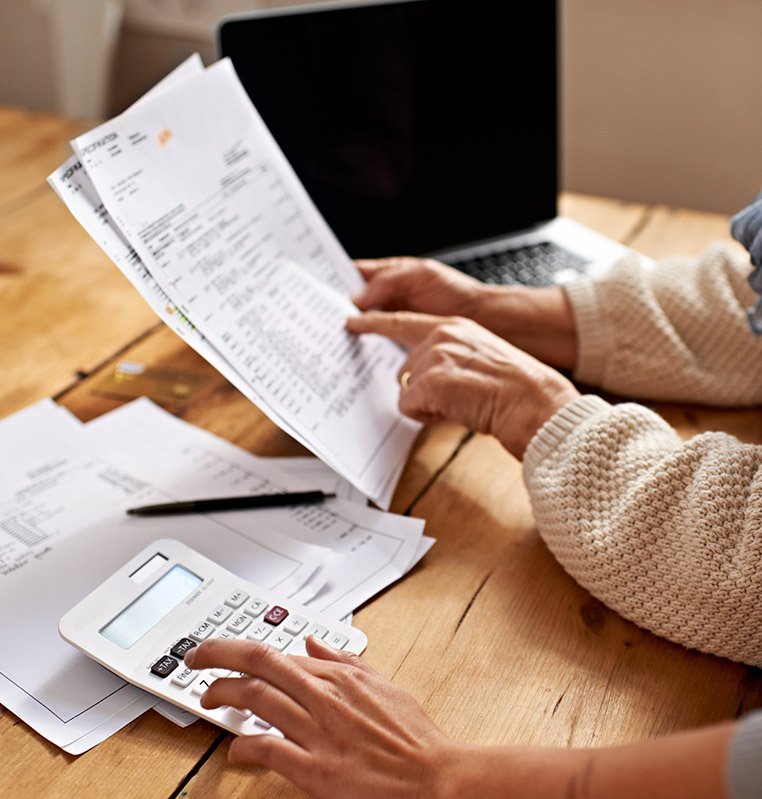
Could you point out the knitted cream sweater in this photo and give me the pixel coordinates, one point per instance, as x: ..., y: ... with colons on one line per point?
x: 667, y: 533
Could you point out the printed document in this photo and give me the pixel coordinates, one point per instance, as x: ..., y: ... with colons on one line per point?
x: 198, y: 187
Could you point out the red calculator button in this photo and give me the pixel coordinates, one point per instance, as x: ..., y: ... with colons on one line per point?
x: 276, y: 615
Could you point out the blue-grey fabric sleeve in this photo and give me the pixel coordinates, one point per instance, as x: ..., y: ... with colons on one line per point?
x: 744, y: 767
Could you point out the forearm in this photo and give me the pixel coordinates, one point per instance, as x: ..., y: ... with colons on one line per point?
x: 662, y: 531
x: 538, y: 321
x: 689, y: 765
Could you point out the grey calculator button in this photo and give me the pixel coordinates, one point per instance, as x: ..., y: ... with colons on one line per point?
x: 239, y: 623
x: 202, y: 632
x: 185, y: 677
x: 200, y: 686
x: 317, y: 630
x: 256, y: 607
x: 259, y: 632
x: 236, y: 599
x: 295, y: 624
x: 219, y: 614
x: 279, y: 640
x: 337, y: 640
x: 221, y: 673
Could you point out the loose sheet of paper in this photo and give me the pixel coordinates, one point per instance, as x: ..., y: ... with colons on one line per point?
x: 372, y: 549
x: 199, y: 188
x: 63, y: 531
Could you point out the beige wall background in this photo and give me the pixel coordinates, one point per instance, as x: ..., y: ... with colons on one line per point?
x: 661, y: 99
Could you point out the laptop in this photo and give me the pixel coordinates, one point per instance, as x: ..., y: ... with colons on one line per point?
x: 422, y: 127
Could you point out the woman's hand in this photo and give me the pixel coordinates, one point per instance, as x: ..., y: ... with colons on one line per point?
x: 538, y: 321
x: 457, y: 370
x: 349, y: 732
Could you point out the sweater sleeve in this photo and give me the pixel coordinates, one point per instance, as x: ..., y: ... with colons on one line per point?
x: 676, y: 332
x: 665, y: 532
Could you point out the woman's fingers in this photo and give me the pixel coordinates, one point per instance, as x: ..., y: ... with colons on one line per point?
x: 268, y: 702
x: 404, y: 327
x: 285, y: 757
x: 256, y: 659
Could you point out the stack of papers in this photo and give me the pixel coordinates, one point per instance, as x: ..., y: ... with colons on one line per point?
x: 191, y: 197
x: 63, y: 530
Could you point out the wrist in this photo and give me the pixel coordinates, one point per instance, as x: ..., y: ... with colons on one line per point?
x: 539, y: 321
x: 546, y: 392
x: 519, y: 772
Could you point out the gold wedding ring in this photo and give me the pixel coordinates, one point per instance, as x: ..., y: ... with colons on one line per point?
x: 405, y: 379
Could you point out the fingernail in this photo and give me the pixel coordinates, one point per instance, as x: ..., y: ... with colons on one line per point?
x: 190, y: 656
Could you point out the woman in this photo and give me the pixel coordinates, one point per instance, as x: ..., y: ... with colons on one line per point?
x: 667, y: 533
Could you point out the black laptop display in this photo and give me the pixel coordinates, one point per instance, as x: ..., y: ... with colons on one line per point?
x: 415, y: 126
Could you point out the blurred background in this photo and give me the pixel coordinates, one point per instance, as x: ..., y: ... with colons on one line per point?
x: 661, y: 101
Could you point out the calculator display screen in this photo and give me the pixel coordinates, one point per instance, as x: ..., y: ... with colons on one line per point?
x: 151, y: 607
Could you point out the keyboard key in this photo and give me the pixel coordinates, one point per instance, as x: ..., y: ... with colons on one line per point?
x: 202, y: 632
x: 337, y: 640
x: 221, y: 673
x: 295, y: 624
x: 279, y: 641
x: 242, y: 712
x: 276, y: 615
x: 239, y: 623
x: 219, y: 614
x: 182, y: 647
x: 236, y: 599
x: 317, y: 630
x: 259, y: 632
x: 185, y: 677
x: 164, y: 666
x: 199, y: 687
x: 256, y: 608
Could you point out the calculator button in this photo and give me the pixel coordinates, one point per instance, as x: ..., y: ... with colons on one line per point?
x: 337, y: 640
x: 183, y: 646
x: 219, y: 614
x: 202, y: 632
x: 295, y: 624
x: 256, y: 607
x: 236, y: 599
x: 242, y: 712
x: 185, y: 677
x: 276, y: 615
x: 199, y: 688
x: 317, y: 630
x: 221, y: 672
x: 239, y: 623
x: 259, y: 632
x: 262, y: 723
x: 164, y: 666
x: 224, y: 634
x: 279, y: 640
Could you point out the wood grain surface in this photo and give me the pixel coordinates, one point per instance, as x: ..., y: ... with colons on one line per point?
x: 488, y: 632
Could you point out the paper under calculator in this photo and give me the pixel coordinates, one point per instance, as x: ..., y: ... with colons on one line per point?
x: 142, y: 620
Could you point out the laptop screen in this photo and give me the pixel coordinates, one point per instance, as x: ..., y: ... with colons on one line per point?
x: 414, y: 126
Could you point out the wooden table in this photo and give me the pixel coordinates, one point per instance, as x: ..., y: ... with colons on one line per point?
x: 489, y: 633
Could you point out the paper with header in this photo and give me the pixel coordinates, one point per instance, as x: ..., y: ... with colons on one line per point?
x: 198, y: 187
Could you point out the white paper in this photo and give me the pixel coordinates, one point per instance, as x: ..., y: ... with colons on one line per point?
x: 371, y: 548
x: 200, y: 189
x: 62, y: 532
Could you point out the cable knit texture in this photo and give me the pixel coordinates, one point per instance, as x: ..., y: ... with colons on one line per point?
x: 668, y: 533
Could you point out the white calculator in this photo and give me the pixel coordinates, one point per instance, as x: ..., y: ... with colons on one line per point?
x: 142, y: 620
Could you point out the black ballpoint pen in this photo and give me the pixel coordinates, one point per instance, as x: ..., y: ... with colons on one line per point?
x: 232, y: 503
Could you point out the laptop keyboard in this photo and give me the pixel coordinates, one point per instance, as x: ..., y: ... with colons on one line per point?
x: 532, y: 265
